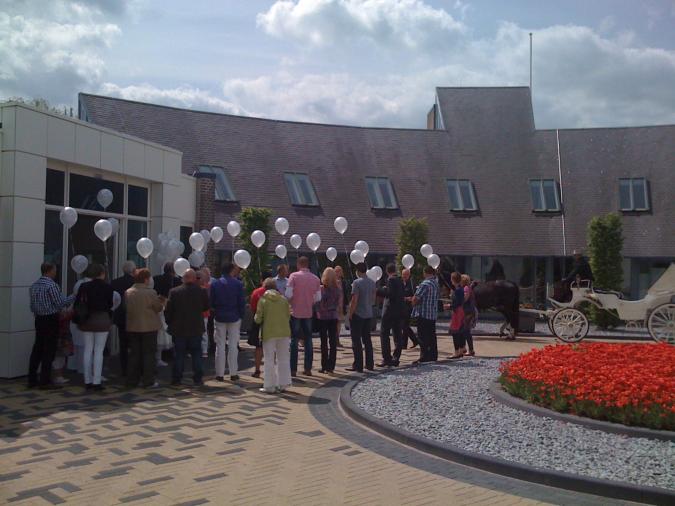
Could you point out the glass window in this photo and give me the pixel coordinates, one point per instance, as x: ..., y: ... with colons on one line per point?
x: 53, y: 251
x: 544, y: 194
x: 84, y: 189
x: 633, y: 194
x: 462, y: 196
x: 381, y: 193
x: 135, y: 230
x: 55, y: 187
x: 185, y: 233
x: 137, y: 201
x: 300, y: 189
x: 223, y: 190
x: 83, y: 241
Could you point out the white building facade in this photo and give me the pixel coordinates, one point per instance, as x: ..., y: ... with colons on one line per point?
x: 50, y: 161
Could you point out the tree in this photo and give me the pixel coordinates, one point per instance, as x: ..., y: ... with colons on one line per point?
x: 413, y: 233
x: 605, y: 242
x: 251, y: 219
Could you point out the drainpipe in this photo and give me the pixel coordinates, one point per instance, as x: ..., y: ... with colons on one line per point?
x: 562, y: 205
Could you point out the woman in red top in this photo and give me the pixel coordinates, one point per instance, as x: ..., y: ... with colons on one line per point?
x: 254, y: 333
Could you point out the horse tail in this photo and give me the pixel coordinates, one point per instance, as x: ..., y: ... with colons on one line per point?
x: 515, y: 308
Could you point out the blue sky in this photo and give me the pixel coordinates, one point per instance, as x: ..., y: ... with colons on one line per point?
x: 363, y: 62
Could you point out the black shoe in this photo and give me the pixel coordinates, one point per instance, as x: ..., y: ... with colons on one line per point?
x: 256, y: 374
x: 220, y: 378
x: 307, y: 373
x: 88, y: 386
x: 322, y: 371
x: 198, y: 383
x: 234, y: 378
x: 352, y: 369
x: 370, y: 369
x: 394, y: 363
x: 98, y: 388
x: 384, y: 364
x: 175, y: 383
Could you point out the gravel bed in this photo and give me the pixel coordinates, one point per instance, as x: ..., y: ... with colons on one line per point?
x: 450, y: 403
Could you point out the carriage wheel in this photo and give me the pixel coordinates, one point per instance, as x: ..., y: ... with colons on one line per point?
x: 570, y: 325
x: 661, y: 324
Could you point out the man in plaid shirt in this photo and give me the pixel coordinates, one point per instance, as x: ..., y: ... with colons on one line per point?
x: 46, y: 301
x: 425, y: 302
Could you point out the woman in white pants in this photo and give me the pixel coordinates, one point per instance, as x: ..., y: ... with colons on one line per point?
x: 93, y: 311
x: 273, y: 315
x: 76, y: 360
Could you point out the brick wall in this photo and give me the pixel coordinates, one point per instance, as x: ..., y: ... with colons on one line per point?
x: 205, y: 214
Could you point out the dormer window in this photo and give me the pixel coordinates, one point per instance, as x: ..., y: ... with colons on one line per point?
x: 633, y: 194
x: 462, y: 196
x: 545, y: 195
x: 300, y: 189
x: 381, y: 193
x: 223, y: 190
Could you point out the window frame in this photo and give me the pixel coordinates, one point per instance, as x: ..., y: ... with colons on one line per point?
x: 542, y: 195
x: 295, y: 191
x: 460, y: 199
x: 631, y: 194
x: 376, y: 182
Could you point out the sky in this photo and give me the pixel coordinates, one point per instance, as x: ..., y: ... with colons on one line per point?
x: 353, y: 62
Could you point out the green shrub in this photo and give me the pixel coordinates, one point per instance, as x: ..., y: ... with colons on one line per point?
x: 413, y: 233
x: 251, y: 219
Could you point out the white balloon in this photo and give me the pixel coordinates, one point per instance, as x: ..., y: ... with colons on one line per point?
x: 296, y: 241
x: 242, y: 258
x: 196, y: 258
x: 104, y: 198
x: 173, y: 247
x: 372, y: 274
x: 68, y: 216
x: 103, y: 229
x: 233, y: 228
x: 197, y: 241
x: 362, y: 246
x: 281, y: 224
x: 426, y: 250
x: 181, y: 248
x: 206, y: 235
x: 258, y: 238
x: 144, y: 247
x: 313, y: 241
x: 408, y: 261
x: 115, y: 225
x: 340, y: 224
x: 281, y: 251
x: 357, y: 256
x: 180, y: 266
x: 434, y: 260
x: 331, y: 254
x: 216, y: 234
x: 378, y: 272
x: 79, y: 263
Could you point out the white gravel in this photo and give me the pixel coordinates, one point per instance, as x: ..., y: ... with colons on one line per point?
x: 450, y: 403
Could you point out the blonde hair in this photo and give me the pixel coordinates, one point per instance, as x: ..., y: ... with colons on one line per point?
x: 270, y: 284
x: 329, y: 278
x: 466, y: 280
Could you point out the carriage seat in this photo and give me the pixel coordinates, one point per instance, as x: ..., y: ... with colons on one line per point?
x: 613, y: 292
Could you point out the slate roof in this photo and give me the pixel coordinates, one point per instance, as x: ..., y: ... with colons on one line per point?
x: 490, y: 138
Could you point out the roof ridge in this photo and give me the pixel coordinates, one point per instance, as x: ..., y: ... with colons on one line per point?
x: 612, y: 127
x: 480, y: 87
x: 196, y: 111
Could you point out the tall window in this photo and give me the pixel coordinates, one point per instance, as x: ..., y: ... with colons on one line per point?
x: 300, y: 189
x: 633, y: 194
x: 462, y: 196
x: 223, y: 187
x: 381, y: 193
x: 545, y: 195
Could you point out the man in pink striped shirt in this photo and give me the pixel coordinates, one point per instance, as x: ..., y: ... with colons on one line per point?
x: 302, y: 291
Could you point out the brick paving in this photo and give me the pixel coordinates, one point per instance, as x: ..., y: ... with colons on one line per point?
x: 227, y: 444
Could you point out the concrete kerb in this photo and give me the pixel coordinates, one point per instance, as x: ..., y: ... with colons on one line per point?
x: 568, y: 481
x: 509, y: 400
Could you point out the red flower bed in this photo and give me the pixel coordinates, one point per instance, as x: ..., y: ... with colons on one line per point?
x: 633, y: 384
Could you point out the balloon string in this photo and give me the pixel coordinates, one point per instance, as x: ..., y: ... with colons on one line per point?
x: 286, y: 256
x: 347, y: 259
x: 259, y: 268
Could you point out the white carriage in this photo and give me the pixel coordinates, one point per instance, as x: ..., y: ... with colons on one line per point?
x: 656, y: 311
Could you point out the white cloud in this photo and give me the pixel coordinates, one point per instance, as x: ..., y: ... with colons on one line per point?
x: 390, y: 24
x: 182, y: 96
x: 52, y: 51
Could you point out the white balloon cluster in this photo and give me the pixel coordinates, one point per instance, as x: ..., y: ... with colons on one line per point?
x: 170, y: 248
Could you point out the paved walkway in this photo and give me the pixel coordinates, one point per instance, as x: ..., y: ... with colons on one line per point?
x: 225, y: 444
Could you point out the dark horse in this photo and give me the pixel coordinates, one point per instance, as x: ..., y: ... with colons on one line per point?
x: 502, y: 296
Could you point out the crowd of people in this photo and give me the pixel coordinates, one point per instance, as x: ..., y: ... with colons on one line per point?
x: 165, y: 311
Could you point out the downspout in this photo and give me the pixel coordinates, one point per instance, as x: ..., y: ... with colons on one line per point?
x: 562, y: 205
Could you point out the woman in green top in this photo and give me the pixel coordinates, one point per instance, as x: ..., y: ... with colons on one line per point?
x: 273, y: 316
